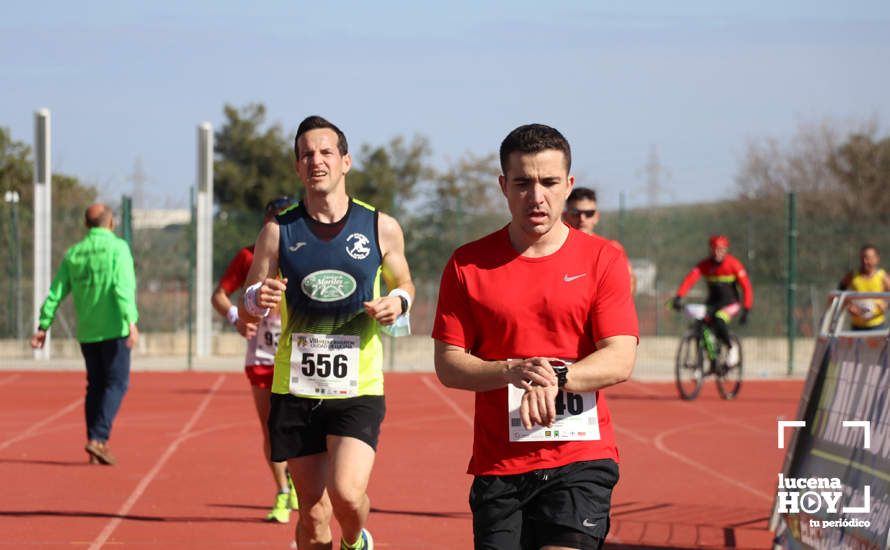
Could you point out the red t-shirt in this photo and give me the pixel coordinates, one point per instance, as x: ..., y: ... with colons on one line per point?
x: 500, y: 305
x: 235, y: 275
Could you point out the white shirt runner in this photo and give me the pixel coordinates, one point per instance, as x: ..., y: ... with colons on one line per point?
x: 324, y: 365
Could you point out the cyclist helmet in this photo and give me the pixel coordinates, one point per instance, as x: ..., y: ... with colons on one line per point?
x: 276, y: 205
x: 718, y: 240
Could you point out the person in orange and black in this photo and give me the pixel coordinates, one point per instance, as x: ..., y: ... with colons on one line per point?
x: 724, y: 273
x: 867, y: 314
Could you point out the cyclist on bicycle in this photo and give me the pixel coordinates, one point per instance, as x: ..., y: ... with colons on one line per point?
x: 724, y: 273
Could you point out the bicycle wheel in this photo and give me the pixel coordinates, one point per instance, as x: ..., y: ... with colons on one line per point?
x: 688, y: 371
x: 729, y: 378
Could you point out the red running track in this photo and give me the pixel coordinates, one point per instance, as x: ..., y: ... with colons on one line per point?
x: 191, y: 474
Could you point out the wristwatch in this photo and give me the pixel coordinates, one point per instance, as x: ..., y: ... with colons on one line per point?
x: 404, y: 304
x: 562, y: 375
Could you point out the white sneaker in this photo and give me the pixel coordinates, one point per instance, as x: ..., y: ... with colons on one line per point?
x: 732, y: 357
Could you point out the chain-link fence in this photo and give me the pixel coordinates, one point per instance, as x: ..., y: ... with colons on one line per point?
x: 663, y: 244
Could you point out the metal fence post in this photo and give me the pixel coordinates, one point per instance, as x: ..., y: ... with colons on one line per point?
x: 791, y: 279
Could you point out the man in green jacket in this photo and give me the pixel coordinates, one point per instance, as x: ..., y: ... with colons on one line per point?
x: 99, y: 272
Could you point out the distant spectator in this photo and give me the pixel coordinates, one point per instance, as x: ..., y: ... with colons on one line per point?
x: 867, y: 314
x: 99, y: 272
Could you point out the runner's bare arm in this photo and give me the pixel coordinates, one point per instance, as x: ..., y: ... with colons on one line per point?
x: 611, y: 363
x: 460, y: 370
x: 220, y: 301
x: 396, y: 272
x: 264, y: 269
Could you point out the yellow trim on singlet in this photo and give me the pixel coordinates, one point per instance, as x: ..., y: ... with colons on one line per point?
x: 362, y: 203
x: 720, y: 278
x: 874, y: 283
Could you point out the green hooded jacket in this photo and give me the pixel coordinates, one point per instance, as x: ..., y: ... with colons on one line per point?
x: 99, y: 272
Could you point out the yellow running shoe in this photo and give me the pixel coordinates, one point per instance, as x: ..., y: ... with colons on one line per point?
x: 292, y: 501
x: 280, y: 512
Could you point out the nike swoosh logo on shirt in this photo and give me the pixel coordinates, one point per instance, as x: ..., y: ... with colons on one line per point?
x: 296, y: 247
x: 568, y: 279
x: 586, y: 523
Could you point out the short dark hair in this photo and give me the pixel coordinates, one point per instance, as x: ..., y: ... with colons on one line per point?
x: 869, y: 246
x: 99, y: 218
x: 534, y: 138
x: 582, y: 193
x: 315, y: 122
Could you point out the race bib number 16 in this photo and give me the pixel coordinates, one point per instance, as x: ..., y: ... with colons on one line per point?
x: 324, y: 365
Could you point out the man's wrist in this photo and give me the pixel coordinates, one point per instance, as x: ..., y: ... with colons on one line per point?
x: 404, y: 297
x: 232, y: 315
x: 250, y: 301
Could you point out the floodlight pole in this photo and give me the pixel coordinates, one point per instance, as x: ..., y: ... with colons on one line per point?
x: 42, y: 219
x: 12, y: 198
x: 204, y: 260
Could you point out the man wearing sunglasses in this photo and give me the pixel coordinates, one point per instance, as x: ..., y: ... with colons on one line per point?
x: 259, y: 361
x: 582, y: 214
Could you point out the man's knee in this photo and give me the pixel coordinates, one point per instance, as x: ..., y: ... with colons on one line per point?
x: 317, y: 513
x: 347, y: 497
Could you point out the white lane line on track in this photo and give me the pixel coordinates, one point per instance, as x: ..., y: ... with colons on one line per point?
x: 9, y: 379
x: 149, y: 477
x: 661, y: 446
x: 434, y: 387
x: 34, y: 428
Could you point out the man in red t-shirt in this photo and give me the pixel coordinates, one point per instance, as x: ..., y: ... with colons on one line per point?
x: 259, y: 361
x: 536, y: 318
x: 724, y: 273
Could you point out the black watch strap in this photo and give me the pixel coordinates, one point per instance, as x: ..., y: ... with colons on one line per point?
x: 562, y: 375
x: 404, y: 304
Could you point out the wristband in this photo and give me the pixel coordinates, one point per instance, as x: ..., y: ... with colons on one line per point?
x: 232, y: 315
x: 405, y: 298
x: 250, y: 303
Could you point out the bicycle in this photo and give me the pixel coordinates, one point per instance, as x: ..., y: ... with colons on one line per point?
x: 698, y: 345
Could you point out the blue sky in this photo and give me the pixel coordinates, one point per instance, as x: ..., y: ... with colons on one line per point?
x: 696, y: 79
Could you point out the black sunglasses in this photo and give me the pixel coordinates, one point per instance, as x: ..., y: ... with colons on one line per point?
x: 586, y: 213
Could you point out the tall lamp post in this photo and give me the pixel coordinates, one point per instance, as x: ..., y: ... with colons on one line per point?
x: 12, y: 199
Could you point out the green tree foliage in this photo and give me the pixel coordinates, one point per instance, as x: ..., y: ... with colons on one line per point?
x: 458, y: 205
x: 254, y: 162
x: 841, y: 179
x: 862, y: 168
x: 15, y: 166
x: 386, y: 177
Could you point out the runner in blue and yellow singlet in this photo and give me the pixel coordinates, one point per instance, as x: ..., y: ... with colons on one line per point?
x: 324, y: 261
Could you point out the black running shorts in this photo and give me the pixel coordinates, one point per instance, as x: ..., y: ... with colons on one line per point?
x: 566, y: 506
x: 299, y: 426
